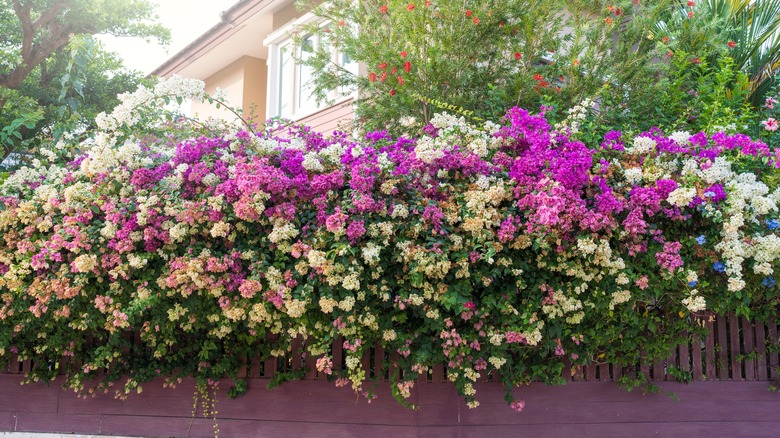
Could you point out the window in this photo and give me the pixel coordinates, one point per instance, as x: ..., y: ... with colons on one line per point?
x: 290, y: 83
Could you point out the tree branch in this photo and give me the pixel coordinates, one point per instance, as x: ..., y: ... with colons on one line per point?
x: 33, y: 54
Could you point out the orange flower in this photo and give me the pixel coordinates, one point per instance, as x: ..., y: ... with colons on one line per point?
x: 608, y: 20
x: 538, y: 77
x: 665, y: 39
x: 383, y: 9
x: 410, y: 7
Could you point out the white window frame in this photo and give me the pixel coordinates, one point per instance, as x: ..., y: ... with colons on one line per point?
x: 282, y: 39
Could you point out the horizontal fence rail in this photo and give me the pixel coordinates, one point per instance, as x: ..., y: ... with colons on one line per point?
x: 732, y: 349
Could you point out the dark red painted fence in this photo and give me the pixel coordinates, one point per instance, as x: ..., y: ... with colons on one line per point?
x: 731, y: 370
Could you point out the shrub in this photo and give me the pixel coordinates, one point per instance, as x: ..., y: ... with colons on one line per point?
x: 498, y: 247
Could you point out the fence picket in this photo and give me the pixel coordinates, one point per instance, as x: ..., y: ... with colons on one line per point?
x: 774, y: 359
x: 734, y: 348
x: 684, y: 354
x: 696, y: 365
x: 379, y: 362
x: 604, y: 372
x: 438, y: 373
x: 723, y: 350
x: 748, y: 338
x: 590, y: 372
x: 761, y: 357
x: 711, y: 360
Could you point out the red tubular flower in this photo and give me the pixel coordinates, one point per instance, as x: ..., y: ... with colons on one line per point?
x: 518, y: 55
x: 383, y: 76
x: 469, y: 13
x: 383, y: 9
x: 394, y: 70
x: 401, y: 80
x: 392, y: 92
x: 403, y: 54
x: 372, y: 77
x: 476, y: 20
x: 410, y: 7
x: 538, y: 77
x: 382, y: 65
x: 732, y: 44
x: 407, y: 66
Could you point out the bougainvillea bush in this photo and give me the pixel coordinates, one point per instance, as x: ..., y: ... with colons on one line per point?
x: 508, y: 246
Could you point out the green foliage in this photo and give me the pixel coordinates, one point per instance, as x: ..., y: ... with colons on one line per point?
x: 745, y: 30
x: 479, y: 58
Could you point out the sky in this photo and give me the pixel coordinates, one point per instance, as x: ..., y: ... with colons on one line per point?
x: 187, y: 20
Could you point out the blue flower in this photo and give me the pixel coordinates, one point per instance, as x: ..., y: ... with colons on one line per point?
x: 693, y: 283
x: 768, y: 282
x: 772, y: 224
x: 701, y: 240
x: 719, y: 267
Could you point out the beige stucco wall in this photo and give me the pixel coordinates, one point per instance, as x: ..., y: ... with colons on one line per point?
x: 244, y: 84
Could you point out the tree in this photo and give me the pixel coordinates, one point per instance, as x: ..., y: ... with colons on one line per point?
x: 45, y: 55
x: 480, y: 58
x: 746, y: 30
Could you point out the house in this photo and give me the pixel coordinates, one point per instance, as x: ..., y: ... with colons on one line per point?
x: 248, y: 55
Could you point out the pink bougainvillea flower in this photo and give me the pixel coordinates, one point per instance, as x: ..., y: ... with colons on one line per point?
x: 770, y: 124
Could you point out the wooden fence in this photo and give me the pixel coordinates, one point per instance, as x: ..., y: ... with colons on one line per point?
x: 728, y: 396
x: 733, y: 349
